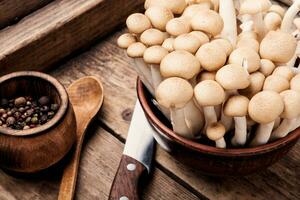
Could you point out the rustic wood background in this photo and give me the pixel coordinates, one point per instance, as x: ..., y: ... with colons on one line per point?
x: 105, y: 141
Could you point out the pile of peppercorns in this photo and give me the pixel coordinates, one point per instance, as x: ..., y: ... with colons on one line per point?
x: 23, y: 113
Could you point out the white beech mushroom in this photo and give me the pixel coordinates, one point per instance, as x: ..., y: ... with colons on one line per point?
x: 257, y: 80
x: 203, y: 38
x: 176, y: 94
x: 207, y: 21
x: 290, y: 14
x: 295, y: 85
x: 276, y: 83
x: 136, y: 51
x: 266, y: 67
x: 248, y: 43
x: 125, y: 40
x: 277, y: 9
x: 256, y: 8
x: 191, y: 10
x: 209, y: 94
x: 215, y: 132
x: 225, y: 44
x: 152, y: 37
x: 178, y: 26
x: 211, y: 56
x: 284, y: 71
x: 237, y: 107
x: 245, y: 54
x: 159, y: 16
x: 138, y: 23
x: 227, y: 13
x: 272, y: 21
x: 188, y: 42
x: 153, y: 56
x: 168, y: 44
x: 278, y: 46
x: 205, y: 75
x: 231, y: 77
x: 176, y: 6
x: 291, y: 110
x: 264, y: 108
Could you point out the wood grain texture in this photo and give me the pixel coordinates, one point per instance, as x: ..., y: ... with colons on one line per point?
x: 97, y: 170
x: 58, y: 29
x: 127, y: 182
x: 13, y: 10
x: 110, y: 63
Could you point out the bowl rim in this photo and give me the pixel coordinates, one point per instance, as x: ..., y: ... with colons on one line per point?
x: 198, y: 147
x: 57, y: 117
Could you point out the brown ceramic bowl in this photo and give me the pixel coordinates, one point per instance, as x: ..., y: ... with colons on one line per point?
x: 37, y: 148
x: 208, y: 159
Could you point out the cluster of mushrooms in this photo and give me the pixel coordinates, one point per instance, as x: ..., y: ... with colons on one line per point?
x: 220, y: 66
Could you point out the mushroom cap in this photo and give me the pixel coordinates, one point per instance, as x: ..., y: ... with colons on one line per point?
x: 233, y: 77
x: 236, y: 106
x: 180, y: 63
x: 152, y: 37
x: 215, y: 131
x: 174, y: 92
x: 225, y: 44
x: 187, y: 42
x: 211, y: 22
x: 272, y: 21
x: 257, y: 80
x: 125, y: 40
x: 265, y: 106
x: 159, y: 16
x: 178, y: 26
x: 239, y: 55
x: 254, y: 6
x: 211, y: 56
x: 266, y: 67
x: 291, y: 100
x: 176, y: 6
x: 284, y: 71
x: 276, y: 83
x: 138, y: 23
x: 154, y: 54
x: 295, y: 83
x: 168, y: 44
x: 191, y: 10
x: 205, y: 75
x: 209, y: 93
x: 277, y: 9
x: 136, y: 50
x: 201, y: 36
x: 248, y: 43
x: 247, y: 35
x: 278, y: 46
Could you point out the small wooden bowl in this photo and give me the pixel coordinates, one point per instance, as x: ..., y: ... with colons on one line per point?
x: 208, y: 159
x: 36, y: 149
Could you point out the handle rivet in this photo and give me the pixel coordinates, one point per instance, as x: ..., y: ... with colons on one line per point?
x: 123, y: 198
x: 131, y: 167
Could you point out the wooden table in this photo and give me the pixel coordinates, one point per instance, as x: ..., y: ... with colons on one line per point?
x: 105, y: 141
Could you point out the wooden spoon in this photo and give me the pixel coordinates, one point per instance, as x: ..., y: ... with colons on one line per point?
x: 86, y: 96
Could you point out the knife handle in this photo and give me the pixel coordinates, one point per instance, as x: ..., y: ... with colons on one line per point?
x: 126, y: 181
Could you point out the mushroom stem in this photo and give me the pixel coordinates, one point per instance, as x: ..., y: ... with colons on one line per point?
x: 156, y: 76
x: 259, y: 25
x: 144, y: 73
x: 178, y: 122
x: 240, y: 134
x: 283, y: 129
x: 227, y: 12
x: 193, y: 118
x: 262, y: 134
x: 296, y: 124
x: 220, y: 143
x: 287, y: 21
x: 227, y: 120
x: 210, y: 115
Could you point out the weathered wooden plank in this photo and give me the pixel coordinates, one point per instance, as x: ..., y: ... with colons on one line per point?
x: 56, y: 30
x: 99, y: 163
x: 110, y: 64
x: 13, y: 10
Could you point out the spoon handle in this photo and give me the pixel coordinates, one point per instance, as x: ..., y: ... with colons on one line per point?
x: 68, y: 182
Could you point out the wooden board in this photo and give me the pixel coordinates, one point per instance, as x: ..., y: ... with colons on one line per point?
x: 55, y: 31
x: 12, y: 11
x: 110, y: 63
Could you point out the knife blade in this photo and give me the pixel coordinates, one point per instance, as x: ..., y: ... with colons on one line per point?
x: 136, y: 159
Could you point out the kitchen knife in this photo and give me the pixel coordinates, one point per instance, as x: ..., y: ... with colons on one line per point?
x: 136, y: 158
